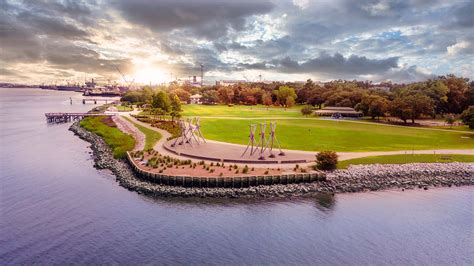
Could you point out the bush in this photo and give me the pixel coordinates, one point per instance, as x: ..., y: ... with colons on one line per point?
x: 467, y: 117
x: 326, y: 160
x: 307, y: 110
x: 246, y: 169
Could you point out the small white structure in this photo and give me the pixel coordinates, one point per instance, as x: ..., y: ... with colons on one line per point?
x: 196, y: 99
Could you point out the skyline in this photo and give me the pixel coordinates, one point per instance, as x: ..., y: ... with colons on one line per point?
x: 401, y: 41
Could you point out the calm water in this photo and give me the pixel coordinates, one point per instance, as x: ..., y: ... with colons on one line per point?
x: 56, y: 208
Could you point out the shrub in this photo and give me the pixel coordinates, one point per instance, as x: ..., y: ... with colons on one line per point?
x: 326, y: 160
x: 245, y: 170
x: 467, y: 117
x: 307, y: 110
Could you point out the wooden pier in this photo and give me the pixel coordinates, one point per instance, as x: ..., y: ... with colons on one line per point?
x: 69, y: 117
x: 94, y: 100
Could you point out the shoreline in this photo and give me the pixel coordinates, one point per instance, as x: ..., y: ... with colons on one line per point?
x: 358, y: 178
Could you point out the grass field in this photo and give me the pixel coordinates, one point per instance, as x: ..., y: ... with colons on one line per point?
x: 240, y: 111
x: 103, y: 126
x: 122, y: 108
x: 319, y: 134
x: 410, y: 158
x: 151, y: 136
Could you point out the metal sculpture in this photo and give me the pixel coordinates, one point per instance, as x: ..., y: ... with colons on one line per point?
x: 272, y: 139
x: 197, y: 130
x: 190, y: 132
x: 183, y: 139
x: 261, y: 141
x: 251, y: 142
x: 263, y: 144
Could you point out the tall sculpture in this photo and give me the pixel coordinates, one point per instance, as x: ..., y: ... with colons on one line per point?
x: 251, y: 142
x: 190, y: 132
x: 272, y: 139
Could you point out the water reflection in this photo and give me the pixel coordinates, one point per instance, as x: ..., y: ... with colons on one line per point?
x: 325, y: 202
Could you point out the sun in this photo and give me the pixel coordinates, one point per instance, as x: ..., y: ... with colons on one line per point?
x: 151, y: 75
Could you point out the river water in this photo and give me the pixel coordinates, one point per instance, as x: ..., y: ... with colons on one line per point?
x: 56, y: 208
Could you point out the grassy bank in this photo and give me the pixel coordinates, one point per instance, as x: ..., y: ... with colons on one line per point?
x: 325, y: 134
x: 151, y: 136
x: 103, y: 126
x: 407, y: 158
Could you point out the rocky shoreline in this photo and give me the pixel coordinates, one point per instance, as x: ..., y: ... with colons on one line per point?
x: 355, y: 179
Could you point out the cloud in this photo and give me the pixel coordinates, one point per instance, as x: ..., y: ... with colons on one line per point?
x: 406, y: 74
x: 287, y: 39
x: 207, y: 18
x: 337, y: 64
x: 459, y: 48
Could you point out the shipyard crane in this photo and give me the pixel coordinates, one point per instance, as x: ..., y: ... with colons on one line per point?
x: 123, y: 77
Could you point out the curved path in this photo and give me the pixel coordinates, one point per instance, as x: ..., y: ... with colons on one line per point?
x: 159, y: 146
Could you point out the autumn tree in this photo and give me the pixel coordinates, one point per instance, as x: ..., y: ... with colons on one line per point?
x: 467, y: 117
x: 182, y: 94
x: 267, y: 99
x: 225, y: 94
x: 457, y: 86
x: 411, y: 107
x: 373, y: 106
x: 283, y: 94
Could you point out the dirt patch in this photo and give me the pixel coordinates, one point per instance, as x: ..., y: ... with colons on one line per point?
x: 156, y: 163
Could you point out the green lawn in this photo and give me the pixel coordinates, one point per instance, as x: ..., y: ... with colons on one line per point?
x: 407, y: 158
x: 122, y: 108
x: 319, y: 134
x: 240, y: 111
x: 460, y: 128
x: 103, y: 126
x: 151, y: 136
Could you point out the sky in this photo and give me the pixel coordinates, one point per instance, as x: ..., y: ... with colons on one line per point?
x: 293, y: 40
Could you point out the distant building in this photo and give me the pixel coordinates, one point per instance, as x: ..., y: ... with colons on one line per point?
x: 338, y: 112
x: 196, y: 99
x: 229, y: 82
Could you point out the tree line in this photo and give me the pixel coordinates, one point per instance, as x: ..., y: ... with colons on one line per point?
x: 439, y: 96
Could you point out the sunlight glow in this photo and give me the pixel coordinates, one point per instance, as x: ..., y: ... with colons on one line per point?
x: 151, y: 75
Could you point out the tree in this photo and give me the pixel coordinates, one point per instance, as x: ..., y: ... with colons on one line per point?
x: 457, y: 86
x: 315, y: 97
x: 450, y: 119
x: 283, y: 93
x: 225, y: 94
x: 160, y: 103
x: 209, y: 97
x: 411, y: 107
x: 373, y: 106
x: 175, y: 107
x: 183, y: 95
x: 290, y: 101
x: 326, y: 160
x: 467, y: 117
x: 267, y: 99
x: 400, y: 109
x: 307, y: 110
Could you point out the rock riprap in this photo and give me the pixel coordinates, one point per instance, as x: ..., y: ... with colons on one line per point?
x: 354, y: 179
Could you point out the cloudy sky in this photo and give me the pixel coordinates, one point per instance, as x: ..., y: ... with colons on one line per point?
x: 156, y: 41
